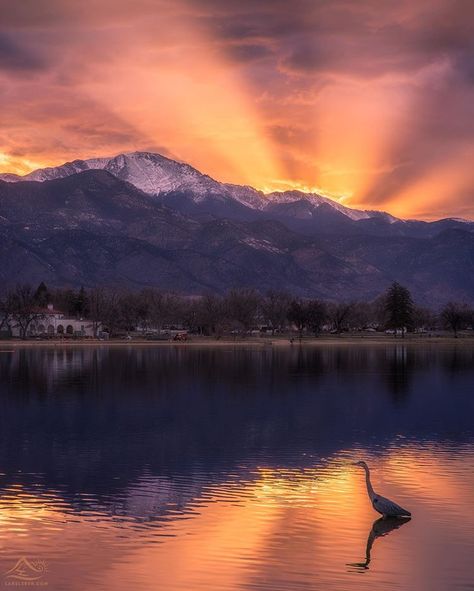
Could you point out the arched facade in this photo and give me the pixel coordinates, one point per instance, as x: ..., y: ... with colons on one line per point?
x: 54, y: 323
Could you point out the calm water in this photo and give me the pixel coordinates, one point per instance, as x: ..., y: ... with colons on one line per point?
x: 193, y: 468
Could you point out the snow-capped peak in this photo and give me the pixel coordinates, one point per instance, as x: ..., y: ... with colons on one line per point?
x: 152, y: 173
x: 156, y: 174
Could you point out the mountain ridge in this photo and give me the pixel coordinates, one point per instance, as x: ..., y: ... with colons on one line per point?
x: 156, y: 174
x: 92, y: 228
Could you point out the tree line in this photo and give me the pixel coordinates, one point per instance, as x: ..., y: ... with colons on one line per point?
x: 239, y: 311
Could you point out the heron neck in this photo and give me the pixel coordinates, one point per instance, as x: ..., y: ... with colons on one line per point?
x: 370, y: 490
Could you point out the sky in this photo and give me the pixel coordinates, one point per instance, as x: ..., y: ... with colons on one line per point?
x: 369, y: 101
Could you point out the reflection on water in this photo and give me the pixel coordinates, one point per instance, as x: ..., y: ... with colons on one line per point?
x: 230, y: 468
x: 380, y: 527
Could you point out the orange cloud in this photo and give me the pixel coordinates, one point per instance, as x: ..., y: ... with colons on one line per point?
x: 363, y: 103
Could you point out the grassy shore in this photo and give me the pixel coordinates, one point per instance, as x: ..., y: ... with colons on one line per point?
x: 266, y: 341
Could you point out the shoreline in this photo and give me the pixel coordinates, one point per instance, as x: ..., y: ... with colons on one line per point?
x: 259, y: 342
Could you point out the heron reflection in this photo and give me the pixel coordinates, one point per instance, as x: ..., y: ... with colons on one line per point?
x: 380, y: 527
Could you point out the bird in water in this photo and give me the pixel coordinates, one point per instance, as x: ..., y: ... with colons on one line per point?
x: 385, y: 507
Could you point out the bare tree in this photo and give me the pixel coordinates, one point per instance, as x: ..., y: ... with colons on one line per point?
x: 154, y: 302
x: 97, y: 301
x: 23, y: 308
x: 112, y: 312
x: 275, y: 307
x: 211, y: 315
x: 5, y: 311
x: 470, y: 317
x: 316, y: 315
x: 173, y: 308
x: 298, y: 315
x: 423, y: 318
x: 340, y: 315
x: 454, y: 316
x: 143, y: 311
x: 129, y: 310
x: 364, y: 315
x: 242, y: 306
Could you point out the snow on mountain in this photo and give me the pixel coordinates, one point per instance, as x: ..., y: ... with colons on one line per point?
x: 155, y: 174
x: 152, y: 173
x: 10, y: 177
x: 246, y: 195
x: 460, y: 220
x: 57, y: 172
x: 317, y: 200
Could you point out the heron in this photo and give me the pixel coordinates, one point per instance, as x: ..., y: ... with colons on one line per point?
x: 385, y: 507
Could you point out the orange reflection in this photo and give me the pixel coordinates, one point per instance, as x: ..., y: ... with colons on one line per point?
x: 283, y: 529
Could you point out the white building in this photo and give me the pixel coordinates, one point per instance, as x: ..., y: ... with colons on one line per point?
x: 53, y: 323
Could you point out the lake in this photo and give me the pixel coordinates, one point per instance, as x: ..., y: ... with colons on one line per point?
x: 229, y: 468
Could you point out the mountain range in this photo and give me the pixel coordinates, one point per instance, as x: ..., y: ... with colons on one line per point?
x: 141, y: 219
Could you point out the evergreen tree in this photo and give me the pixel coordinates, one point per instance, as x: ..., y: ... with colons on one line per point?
x: 42, y: 297
x: 399, y: 307
x: 81, y: 303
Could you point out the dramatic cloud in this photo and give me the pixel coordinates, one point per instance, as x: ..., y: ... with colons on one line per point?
x: 16, y: 59
x: 370, y: 102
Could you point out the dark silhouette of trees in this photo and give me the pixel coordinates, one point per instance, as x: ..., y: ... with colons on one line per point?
x: 81, y: 303
x: 211, y: 315
x: 316, y: 315
x: 399, y: 307
x: 97, y: 307
x: 242, y: 306
x: 174, y: 307
x: 470, y: 318
x: 274, y: 308
x: 119, y: 311
x: 423, y: 318
x: 307, y: 315
x: 363, y: 315
x: 340, y: 316
x: 155, y: 305
x: 455, y: 317
x: 42, y: 295
x: 5, y: 311
x: 64, y: 300
x: 297, y: 315
x: 112, y: 317
x: 23, y: 308
x: 130, y: 310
